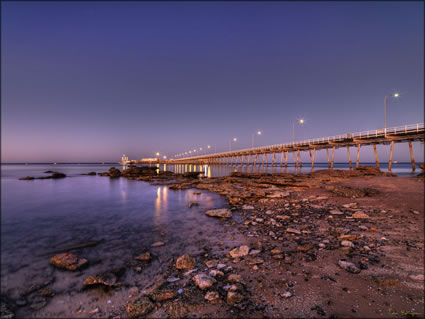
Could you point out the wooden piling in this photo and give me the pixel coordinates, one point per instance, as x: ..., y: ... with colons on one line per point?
x: 295, y: 160
x: 281, y: 159
x: 390, y: 162
x: 312, y: 157
x: 349, y: 157
x: 299, y: 159
x: 286, y: 158
x: 376, y: 155
x: 411, y: 156
x: 333, y: 157
x: 358, y: 155
x: 327, y: 155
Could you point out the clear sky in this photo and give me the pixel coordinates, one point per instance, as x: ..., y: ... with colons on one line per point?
x: 89, y: 81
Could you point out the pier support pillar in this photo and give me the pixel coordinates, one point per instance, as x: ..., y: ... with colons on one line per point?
x: 286, y: 158
x: 327, y: 155
x: 312, y: 157
x: 281, y: 159
x: 265, y: 159
x: 295, y: 160
x: 390, y: 162
x: 411, y: 156
x: 349, y: 157
x: 333, y: 157
x: 358, y: 155
x: 299, y: 159
x: 273, y: 158
x: 376, y: 155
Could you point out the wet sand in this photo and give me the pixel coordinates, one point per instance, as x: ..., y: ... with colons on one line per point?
x: 308, y: 254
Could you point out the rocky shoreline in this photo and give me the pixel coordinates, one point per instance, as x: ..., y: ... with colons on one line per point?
x: 328, y: 243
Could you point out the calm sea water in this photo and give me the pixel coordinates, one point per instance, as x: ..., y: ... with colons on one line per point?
x: 39, y: 217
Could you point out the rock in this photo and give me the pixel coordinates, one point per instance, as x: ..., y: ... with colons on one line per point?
x: 203, y: 281
x: 212, y: 296
x: 6, y: 310
x: 256, y: 261
x: 221, y: 266
x: 414, y: 212
x: 283, y: 217
x: 278, y: 195
x: 191, y: 204
x: 239, y: 251
x: 158, y: 244
x: 68, y: 261
x: 185, y: 262
x: 114, y: 172
x: 109, y: 278
x: 254, y: 252
x: 276, y: 251
x: 139, y: 307
x: 220, y: 213
x: 234, y: 278
x: 293, y: 231
x: 304, y: 248
x: 164, y: 295
x: 144, y: 257
x: 196, y: 193
x: 233, y: 297
x: 335, y: 212
x: 347, y: 243
x: 211, y: 263
x: 215, y: 273
x: 418, y: 278
x: 187, y: 273
x: 287, y: 294
x: 350, y: 205
x: 57, y: 175
x: 91, y: 173
x: 27, y: 178
x: 347, y: 266
x: 321, y: 198
x: 360, y: 215
x: 172, y: 279
x: 247, y: 207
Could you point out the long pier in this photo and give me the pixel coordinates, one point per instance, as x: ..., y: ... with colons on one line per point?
x: 259, y: 155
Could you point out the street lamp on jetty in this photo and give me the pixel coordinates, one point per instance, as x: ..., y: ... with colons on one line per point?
x: 394, y: 95
x: 253, y: 136
x: 230, y: 143
x: 300, y: 121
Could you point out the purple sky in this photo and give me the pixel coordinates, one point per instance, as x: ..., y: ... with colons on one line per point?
x: 89, y: 81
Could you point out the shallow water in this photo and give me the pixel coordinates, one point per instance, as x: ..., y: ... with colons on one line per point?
x: 40, y: 217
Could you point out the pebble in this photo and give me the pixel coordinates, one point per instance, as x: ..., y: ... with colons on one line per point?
x: 348, y: 266
x: 287, y: 294
x: 158, y: 244
x: 203, y: 281
x: 360, y: 215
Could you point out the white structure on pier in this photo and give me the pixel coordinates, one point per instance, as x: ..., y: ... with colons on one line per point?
x: 124, y: 159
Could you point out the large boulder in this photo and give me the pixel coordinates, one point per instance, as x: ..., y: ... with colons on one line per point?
x: 114, y: 172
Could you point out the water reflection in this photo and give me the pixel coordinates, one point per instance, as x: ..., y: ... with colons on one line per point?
x: 161, y: 205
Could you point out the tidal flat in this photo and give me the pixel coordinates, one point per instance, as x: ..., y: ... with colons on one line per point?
x: 328, y: 243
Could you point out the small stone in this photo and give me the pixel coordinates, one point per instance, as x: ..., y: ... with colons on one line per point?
x: 172, y: 279
x: 185, y: 262
x: 279, y: 256
x: 255, y: 268
x: 144, y: 257
x: 414, y: 212
x: 350, y: 205
x: 139, y: 307
x: 68, y: 261
x: 234, y: 278
x: 221, y: 266
x: 254, y: 252
x: 259, y: 220
x: 287, y: 294
x: 347, y: 266
x: 233, y: 297
x: 239, y: 251
x: 158, y: 244
x: 293, y: 231
x: 283, y: 217
x: 304, y: 248
x: 164, y: 295
x: 360, y: 215
x: 335, y: 212
x: 219, y: 213
x: 288, y: 260
x: 247, y: 207
x: 347, y: 243
x: 269, y: 212
x: 212, y: 296
x: 256, y: 261
x: 418, y: 278
x: 203, y: 281
x: 321, y: 198
x: 211, y: 263
x: 215, y: 273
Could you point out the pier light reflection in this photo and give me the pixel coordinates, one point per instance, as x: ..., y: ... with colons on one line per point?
x: 161, y: 205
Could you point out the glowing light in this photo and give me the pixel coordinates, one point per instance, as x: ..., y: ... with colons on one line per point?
x: 396, y: 95
x: 190, y: 152
x: 209, y: 146
x: 164, y: 157
x: 235, y: 139
x: 259, y: 133
x: 157, y: 154
x: 194, y: 151
x: 301, y: 121
x: 200, y: 148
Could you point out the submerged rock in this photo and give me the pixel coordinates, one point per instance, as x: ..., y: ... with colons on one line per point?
x: 146, y: 256
x: 185, y: 262
x: 108, y: 279
x: 68, y: 261
x: 114, y: 172
x: 220, y: 213
x: 26, y: 178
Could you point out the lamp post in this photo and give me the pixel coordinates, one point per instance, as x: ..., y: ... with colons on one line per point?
x: 209, y: 146
x: 396, y: 95
x: 301, y: 121
x: 252, y: 137
x: 230, y: 143
x: 157, y: 154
